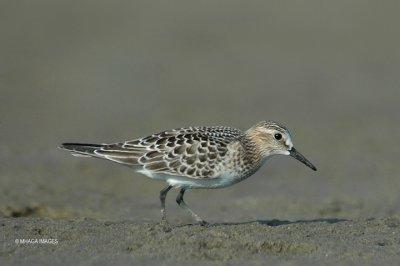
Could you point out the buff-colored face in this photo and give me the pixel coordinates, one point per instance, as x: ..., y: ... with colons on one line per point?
x: 273, y: 139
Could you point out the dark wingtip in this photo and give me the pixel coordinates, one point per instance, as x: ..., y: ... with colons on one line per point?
x: 78, y: 146
x: 63, y: 146
x: 67, y: 146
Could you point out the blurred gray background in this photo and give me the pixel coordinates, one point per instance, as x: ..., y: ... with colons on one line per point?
x: 106, y: 71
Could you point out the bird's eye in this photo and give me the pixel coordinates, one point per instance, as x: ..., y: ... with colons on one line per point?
x: 278, y: 136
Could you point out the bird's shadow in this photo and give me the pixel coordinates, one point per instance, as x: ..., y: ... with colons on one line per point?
x: 274, y: 222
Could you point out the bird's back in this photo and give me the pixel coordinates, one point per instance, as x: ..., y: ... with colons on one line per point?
x: 192, y: 152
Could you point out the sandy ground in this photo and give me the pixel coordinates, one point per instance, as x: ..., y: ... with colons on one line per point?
x: 88, y: 241
x: 106, y: 71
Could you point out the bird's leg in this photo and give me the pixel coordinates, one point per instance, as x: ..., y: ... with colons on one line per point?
x: 163, y: 194
x: 182, y: 204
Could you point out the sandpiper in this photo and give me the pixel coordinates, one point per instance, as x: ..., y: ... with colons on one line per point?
x: 197, y: 157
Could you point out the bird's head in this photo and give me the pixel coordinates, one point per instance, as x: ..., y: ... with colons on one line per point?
x: 272, y: 138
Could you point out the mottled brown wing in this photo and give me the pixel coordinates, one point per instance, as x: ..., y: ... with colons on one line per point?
x: 194, y: 152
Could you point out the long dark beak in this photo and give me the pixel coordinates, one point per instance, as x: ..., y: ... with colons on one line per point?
x: 297, y: 155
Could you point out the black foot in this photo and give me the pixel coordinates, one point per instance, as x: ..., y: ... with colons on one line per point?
x: 166, y: 227
x: 203, y: 223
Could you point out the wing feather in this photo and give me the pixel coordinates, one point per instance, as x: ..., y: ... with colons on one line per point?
x: 195, y: 152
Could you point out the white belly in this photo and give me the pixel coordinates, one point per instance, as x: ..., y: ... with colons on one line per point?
x: 187, y: 182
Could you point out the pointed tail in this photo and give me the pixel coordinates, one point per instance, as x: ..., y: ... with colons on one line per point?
x: 81, y: 149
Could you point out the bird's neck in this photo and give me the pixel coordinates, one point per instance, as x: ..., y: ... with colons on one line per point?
x: 252, y: 152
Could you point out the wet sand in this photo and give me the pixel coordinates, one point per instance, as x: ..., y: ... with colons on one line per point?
x: 81, y: 241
